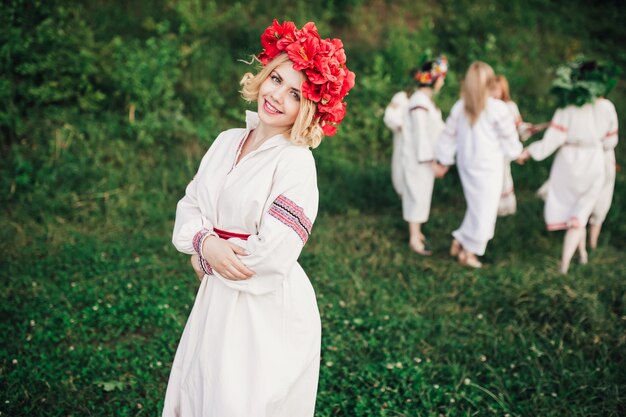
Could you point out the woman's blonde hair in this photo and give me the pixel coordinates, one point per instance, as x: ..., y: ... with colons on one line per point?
x: 476, y: 89
x: 306, y: 129
x: 504, y: 86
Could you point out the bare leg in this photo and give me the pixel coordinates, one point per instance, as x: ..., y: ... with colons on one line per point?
x: 416, y: 239
x: 594, y: 234
x: 570, y: 244
x: 582, y: 248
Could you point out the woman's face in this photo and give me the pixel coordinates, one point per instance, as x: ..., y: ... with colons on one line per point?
x: 496, y: 91
x: 279, y: 97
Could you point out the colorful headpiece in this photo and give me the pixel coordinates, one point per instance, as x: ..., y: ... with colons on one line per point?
x: 322, y: 60
x: 582, y: 81
x: 428, y: 73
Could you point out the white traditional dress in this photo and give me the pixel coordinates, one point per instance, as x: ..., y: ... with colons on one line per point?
x: 508, y: 201
x: 395, y: 118
x: 600, y: 210
x: 479, y: 151
x: 578, y: 173
x: 250, y: 348
x: 418, y: 152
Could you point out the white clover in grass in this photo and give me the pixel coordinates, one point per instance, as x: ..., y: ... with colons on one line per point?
x: 29, y: 337
x: 386, y: 318
x: 94, y: 308
x: 512, y: 366
x: 129, y: 285
x: 553, y: 394
x: 159, y: 363
x: 139, y: 406
x: 342, y: 304
x: 452, y: 400
x: 389, y: 366
x: 34, y: 284
x: 483, y: 358
x: 418, y: 360
x: 71, y: 348
x: 436, y: 386
x: 137, y: 259
x: 32, y: 323
x: 346, y: 322
x: 175, y: 287
x: 597, y: 369
x: 72, y: 284
x: 14, y: 361
x: 399, y: 365
x: 507, y: 415
x: 332, y: 348
x: 479, y: 316
x: 329, y: 364
x: 467, y: 381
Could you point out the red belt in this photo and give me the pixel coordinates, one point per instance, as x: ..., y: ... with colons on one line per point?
x: 225, y: 234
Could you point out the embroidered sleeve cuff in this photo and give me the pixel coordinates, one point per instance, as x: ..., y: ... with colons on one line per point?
x: 198, y: 239
x: 205, y: 266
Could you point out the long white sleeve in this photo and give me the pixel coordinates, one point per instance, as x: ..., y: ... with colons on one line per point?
x: 445, y: 151
x: 395, y: 112
x: 189, y: 217
x: 555, y: 136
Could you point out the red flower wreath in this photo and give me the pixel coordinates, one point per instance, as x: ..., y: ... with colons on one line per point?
x: 322, y: 60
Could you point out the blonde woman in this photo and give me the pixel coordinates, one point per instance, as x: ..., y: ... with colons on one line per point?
x: 251, y: 345
x: 479, y: 133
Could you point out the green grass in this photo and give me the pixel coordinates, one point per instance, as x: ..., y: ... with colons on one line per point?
x: 91, y: 319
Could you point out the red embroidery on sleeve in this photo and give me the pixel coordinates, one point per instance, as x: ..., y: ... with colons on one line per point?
x: 558, y: 127
x: 292, y: 215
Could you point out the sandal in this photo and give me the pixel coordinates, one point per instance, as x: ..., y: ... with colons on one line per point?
x: 420, y: 247
x: 469, y: 259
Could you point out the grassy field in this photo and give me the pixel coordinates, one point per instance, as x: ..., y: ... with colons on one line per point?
x: 92, y: 315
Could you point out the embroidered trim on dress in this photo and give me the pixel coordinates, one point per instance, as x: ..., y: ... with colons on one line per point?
x: 558, y: 127
x: 292, y: 215
x: 204, y: 264
x: 198, y: 239
x: 608, y: 135
x: 418, y: 108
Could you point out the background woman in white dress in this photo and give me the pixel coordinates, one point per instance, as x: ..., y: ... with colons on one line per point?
x: 501, y: 91
x: 479, y: 133
x: 579, y: 128
x: 251, y: 345
x: 423, y: 125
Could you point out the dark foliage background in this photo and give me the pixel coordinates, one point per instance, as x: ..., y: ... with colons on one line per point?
x: 106, y: 108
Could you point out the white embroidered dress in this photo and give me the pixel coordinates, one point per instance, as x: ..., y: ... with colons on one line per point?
x: 602, y: 206
x: 479, y: 151
x: 508, y: 201
x: 418, y: 153
x: 250, y: 348
x: 577, y: 175
x: 395, y: 118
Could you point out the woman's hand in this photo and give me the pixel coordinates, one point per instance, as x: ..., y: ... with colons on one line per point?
x: 222, y: 255
x: 195, y: 263
x: 440, y: 170
x: 523, y: 157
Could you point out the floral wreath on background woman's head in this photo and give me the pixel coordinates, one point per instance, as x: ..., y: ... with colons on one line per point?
x: 431, y: 70
x: 582, y: 81
x: 322, y: 60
